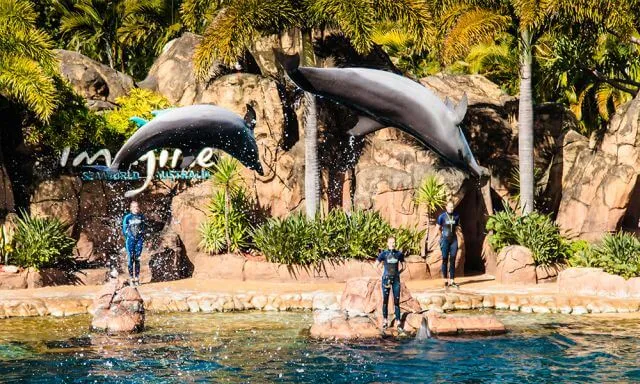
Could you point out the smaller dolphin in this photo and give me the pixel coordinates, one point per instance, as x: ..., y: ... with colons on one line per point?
x: 384, y: 99
x: 191, y: 129
x: 423, y: 332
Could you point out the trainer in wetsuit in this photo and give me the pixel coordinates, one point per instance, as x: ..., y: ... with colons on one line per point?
x: 448, y: 222
x: 133, y: 226
x: 391, y: 258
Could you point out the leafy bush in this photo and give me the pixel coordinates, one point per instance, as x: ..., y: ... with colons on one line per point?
x: 617, y: 253
x: 139, y: 102
x: 73, y: 125
x: 296, y: 240
x: 240, y: 221
x: 534, y: 231
x: 41, y: 242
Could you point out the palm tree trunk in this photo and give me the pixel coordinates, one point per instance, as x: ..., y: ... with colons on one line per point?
x: 311, y: 170
x: 525, y: 127
x: 226, y: 218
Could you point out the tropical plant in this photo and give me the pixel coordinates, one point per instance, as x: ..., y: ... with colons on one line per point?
x: 534, y: 231
x: 41, y: 242
x: 298, y: 240
x: 123, y: 34
x: 226, y: 176
x: 432, y: 194
x: 408, y: 240
x: 235, y: 25
x: 227, y: 227
x: 27, y: 62
x: 73, y: 125
x: 617, y: 253
x: 139, y: 102
x: 473, y: 23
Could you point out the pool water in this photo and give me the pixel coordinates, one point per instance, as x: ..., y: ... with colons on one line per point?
x: 257, y: 347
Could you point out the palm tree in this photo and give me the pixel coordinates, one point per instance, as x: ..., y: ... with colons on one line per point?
x: 27, y: 63
x: 234, y: 24
x: 473, y: 22
x: 124, y: 34
x: 431, y: 194
x: 226, y: 176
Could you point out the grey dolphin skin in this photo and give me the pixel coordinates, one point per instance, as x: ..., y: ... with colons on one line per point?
x: 191, y: 129
x: 384, y: 99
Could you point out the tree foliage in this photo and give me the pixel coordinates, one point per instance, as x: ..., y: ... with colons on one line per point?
x: 27, y: 62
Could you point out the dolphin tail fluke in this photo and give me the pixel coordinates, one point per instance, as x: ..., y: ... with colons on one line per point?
x: 365, y: 126
x: 250, y: 117
x: 289, y: 62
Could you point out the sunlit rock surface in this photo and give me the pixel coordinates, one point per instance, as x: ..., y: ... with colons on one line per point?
x: 118, y: 308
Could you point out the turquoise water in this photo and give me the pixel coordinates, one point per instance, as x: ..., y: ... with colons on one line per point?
x: 274, y: 347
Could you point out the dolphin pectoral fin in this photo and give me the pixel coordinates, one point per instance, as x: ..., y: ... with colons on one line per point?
x: 461, y: 109
x: 250, y: 117
x: 139, y: 121
x: 365, y: 126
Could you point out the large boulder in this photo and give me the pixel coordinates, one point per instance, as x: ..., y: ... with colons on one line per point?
x: 172, y: 74
x: 117, y: 308
x: 594, y: 282
x: 598, y: 186
x: 515, y: 265
x: 363, y: 296
x: 99, y: 84
x: 165, y: 259
x: 57, y: 198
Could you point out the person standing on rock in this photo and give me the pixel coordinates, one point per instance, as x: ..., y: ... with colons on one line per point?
x: 392, y: 259
x: 133, y: 226
x: 447, y: 223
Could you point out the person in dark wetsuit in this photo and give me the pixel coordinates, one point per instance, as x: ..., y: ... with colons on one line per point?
x: 448, y: 222
x: 392, y: 259
x: 133, y: 227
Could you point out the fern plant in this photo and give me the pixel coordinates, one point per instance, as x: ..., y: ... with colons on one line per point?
x: 41, y: 242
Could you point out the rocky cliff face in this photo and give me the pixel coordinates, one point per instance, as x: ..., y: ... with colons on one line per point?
x: 598, y: 185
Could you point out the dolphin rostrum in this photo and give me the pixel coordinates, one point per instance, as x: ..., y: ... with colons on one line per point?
x: 191, y: 129
x: 383, y: 99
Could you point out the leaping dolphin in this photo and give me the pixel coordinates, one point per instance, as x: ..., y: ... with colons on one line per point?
x: 384, y: 99
x: 192, y: 128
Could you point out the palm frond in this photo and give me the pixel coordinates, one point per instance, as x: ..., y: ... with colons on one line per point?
x: 473, y: 27
x: 26, y: 81
x: 236, y: 25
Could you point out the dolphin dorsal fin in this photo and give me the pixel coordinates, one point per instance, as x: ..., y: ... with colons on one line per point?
x: 250, y: 117
x: 460, y: 110
x: 139, y: 121
x: 364, y: 126
x: 449, y: 104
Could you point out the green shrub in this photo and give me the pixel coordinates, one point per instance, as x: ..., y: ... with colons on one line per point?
x: 617, y: 253
x: 139, y: 102
x: 41, y: 242
x: 212, y: 230
x: 359, y: 235
x: 408, y: 240
x: 73, y: 125
x: 534, y: 231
